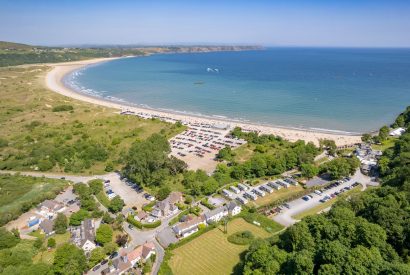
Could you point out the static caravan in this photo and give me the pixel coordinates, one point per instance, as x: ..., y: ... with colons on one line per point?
x: 266, y: 189
x: 242, y: 200
x: 235, y: 189
x: 226, y: 193
x: 283, y: 183
x: 291, y: 181
x: 250, y: 196
x: 258, y: 192
x: 271, y: 184
x: 242, y: 187
x: 276, y: 186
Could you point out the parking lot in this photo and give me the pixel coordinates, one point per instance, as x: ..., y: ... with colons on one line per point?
x: 300, y: 205
x: 126, y: 190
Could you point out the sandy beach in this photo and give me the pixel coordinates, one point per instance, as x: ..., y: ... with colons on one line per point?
x: 54, y: 82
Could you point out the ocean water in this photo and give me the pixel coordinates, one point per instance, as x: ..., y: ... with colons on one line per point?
x: 352, y: 90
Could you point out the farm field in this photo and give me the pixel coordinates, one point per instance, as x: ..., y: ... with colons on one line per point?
x: 211, y: 253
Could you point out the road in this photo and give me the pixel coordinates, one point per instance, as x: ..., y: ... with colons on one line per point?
x: 299, y: 205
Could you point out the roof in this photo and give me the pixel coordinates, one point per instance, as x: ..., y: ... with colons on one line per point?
x: 175, y: 197
x: 215, y: 212
x: 188, y: 224
x: 142, y: 215
x: 47, y: 226
x: 232, y: 205
x: 87, y: 231
x: 141, y: 251
x: 51, y: 204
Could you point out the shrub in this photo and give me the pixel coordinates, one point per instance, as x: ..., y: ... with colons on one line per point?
x: 51, y: 243
x: 134, y: 222
x: 241, y: 238
x: 62, y: 108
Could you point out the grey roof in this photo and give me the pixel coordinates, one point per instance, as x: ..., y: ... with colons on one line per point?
x: 215, y: 212
x: 232, y: 205
x: 47, y: 226
x: 87, y: 231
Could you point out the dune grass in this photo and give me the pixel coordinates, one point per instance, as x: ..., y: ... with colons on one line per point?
x: 211, y: 253
x: 20, y: 193
x: 88, y: 139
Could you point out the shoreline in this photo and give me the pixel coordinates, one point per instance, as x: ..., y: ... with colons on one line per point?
x: 54, y: 82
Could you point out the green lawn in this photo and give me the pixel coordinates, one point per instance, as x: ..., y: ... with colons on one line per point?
x: 47, y: 256
x: 211, y: 253
x: 388, y: 143
x: 17, y: 191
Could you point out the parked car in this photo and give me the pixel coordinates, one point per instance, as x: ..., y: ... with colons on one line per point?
x: 96, y: 267
x: 113, y: 255
x: 130, y: 226
x: 318, y: 192
x: 305, y: 198
x: 104, y: 262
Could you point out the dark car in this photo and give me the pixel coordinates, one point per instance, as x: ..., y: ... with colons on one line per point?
x: 96, y: 267
x: 104, y: 262
x: 130, y: 226
x: 113, y: 255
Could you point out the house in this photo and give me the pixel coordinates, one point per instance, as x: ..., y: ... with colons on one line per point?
x: 185, y: 229
x: 168, y: 206
x: 216, y: 214
x: 140, y: 216
x: 84, y: 235
x: 397, y: 132
x: 49, y: 208
x: 164, y: 209
x: 175, y: 197
x: 47, y: 227
x: 141, y: 253
x: 234, y: 208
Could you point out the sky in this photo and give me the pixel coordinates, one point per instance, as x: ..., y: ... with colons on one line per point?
x: 323, y: 23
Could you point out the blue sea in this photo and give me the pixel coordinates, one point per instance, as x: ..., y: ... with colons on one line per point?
x: 351, y: 90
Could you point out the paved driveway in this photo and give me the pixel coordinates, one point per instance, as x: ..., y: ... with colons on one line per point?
x: 299, y: 205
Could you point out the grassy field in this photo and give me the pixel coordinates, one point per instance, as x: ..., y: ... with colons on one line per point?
x: 281, y: 194
x: 323, y: 206
x: 86, y: 140
x: 20, y: 193
x: 211, y: 253
x: 47, y: 256
x: 388, y: 143
x: 244, y: 152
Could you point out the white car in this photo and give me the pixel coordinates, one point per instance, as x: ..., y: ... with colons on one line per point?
x: 318, y: 192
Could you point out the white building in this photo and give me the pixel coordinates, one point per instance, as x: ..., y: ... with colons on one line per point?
x: 397, y: 132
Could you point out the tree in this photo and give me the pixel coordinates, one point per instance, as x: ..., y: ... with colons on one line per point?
x: 78, y: 217
x: 366, y: 137
x: 7, y: 239
x: 309, y: 170
x: 97, y: 255
x: 104, y: 234
x: 163, y: 193
x: 121, y: 239
x: 68, y: 260
x: 60, y: 224
x: 225, y: 154
x: 384, y: 133
x: 116, y: 204
x: 107, y: 218
x: 51, y: 243
x: 210, y: 186
x: 109, y: 248
x: 329, y: 145
x: 96, y: 186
